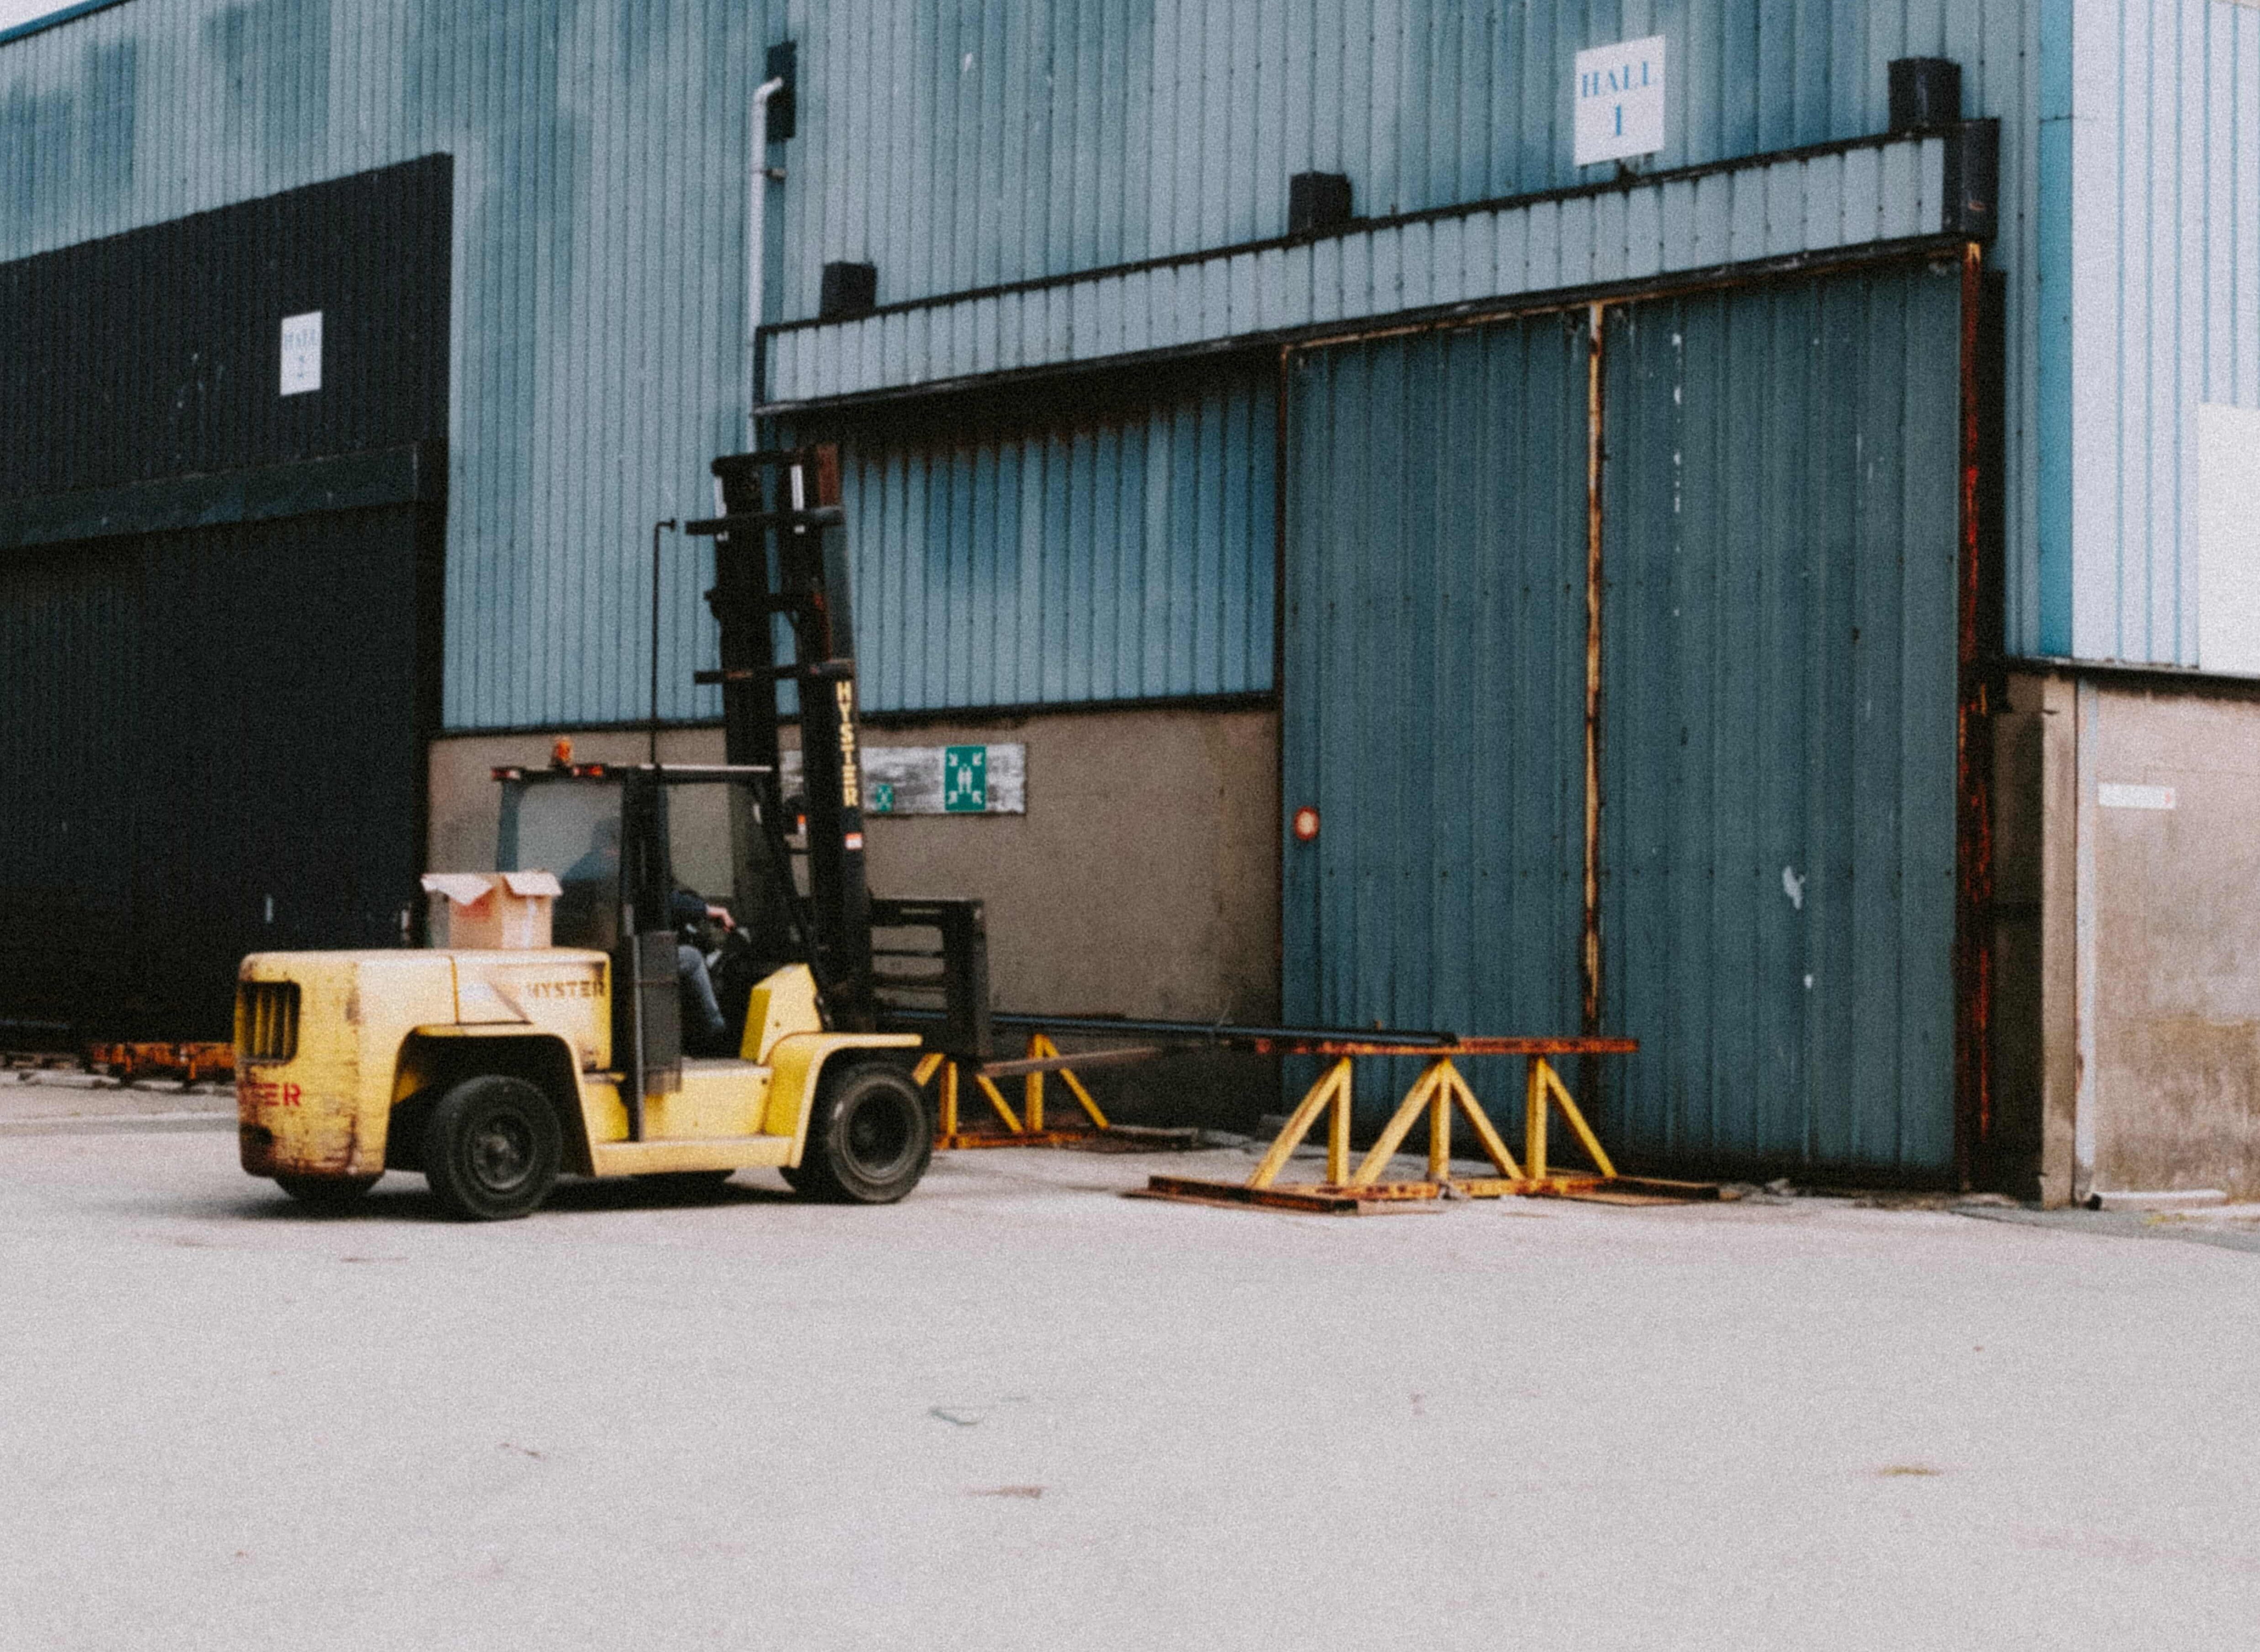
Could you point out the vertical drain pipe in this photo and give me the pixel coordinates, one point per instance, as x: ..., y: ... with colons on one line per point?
x: 757, y: 179
x: 1973, y: 736
x: 2086, y: 715
x: 1590, y: 1020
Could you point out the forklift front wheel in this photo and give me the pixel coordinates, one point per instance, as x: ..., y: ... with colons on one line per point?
x: 491, y: 1147
x: 870, y: 1139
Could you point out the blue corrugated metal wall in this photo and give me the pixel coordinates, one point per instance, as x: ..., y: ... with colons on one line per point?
x: 600, y: 170
x: 989, y: 140
x: 1778, y: 857
x: 1812, y: 202
x: 1781, y: 513
x: 600, y: 181
x: 1126, y: 557
x: 1435, y: 669
x: 2161, y: 226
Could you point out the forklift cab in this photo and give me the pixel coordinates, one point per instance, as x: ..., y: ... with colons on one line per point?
x: 621, y: 840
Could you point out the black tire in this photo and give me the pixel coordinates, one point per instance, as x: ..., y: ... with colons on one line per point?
x: 327, y: 1192
x: 684, y: 1181
x: 491, y: 1148
x: 869, y: 1140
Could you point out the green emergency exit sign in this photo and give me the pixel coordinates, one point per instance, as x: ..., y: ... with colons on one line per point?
x: 964, y: 779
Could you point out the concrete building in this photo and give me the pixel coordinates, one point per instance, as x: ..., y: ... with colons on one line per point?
x: 1733, y: 520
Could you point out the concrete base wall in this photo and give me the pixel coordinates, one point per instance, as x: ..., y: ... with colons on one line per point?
x: 2126, y: 939
x: 2036, y: 1063
x: 1143, y: 880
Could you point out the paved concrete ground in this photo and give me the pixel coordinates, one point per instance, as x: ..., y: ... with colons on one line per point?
x: 1020, y: 1411
x: 34, y: 1102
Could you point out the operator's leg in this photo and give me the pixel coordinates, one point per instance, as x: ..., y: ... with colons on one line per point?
x: 705, y: 1032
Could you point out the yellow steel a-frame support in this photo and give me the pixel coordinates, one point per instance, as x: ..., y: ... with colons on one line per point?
x: 1022, y: 1129
x: 1040, y: 1048
x: 1439, y: 1091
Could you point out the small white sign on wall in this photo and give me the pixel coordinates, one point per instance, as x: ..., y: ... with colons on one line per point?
x: 2120, y: 794
x: 301, y: 353
x: 1617, y: 101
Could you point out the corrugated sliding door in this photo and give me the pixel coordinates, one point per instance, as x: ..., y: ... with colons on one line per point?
x: 223, y: 472
x: 1433, y: 712
x: 213, y: 744
x: 1778, y: 860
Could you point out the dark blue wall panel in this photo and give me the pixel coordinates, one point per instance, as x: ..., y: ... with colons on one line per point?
x: 1778, y: 872
x: 1435, y: 682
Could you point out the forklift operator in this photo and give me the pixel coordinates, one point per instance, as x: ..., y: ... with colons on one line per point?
x: 705, y: 1032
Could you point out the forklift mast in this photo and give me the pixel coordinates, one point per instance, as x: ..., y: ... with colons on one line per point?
x: 773, y: 556
x: 779, y: 550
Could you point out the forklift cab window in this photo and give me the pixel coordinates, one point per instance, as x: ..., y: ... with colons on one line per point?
x: 712, y: 840
x: 572, y: 829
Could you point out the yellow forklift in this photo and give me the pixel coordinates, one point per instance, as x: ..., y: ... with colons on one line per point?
x: 493, y: 1072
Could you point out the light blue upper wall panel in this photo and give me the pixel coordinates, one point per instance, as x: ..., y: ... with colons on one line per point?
x: 1839, y: 197
x: 962, y: 143
x: 2164, y: 239
x: 1123, y: 556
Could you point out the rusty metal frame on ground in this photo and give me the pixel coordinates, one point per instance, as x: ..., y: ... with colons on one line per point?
x: 1025, y: 1128
x: 1441, y: 1089
x: 190, y: 1062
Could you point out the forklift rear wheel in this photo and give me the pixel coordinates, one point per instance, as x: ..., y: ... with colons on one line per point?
x: 325, y: 1192
x: 870, y: 1139
x: 491, y: 1148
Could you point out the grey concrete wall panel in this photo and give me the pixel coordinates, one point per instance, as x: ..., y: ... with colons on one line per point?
x: 1778, y: 864
x: 1435, y: 677
x: 1885, y: 192
x: 600, y: 188
x: 2162, y: 229
x: 1123, y: 556
x: 2128, y: 1053
x: 1164, y: 906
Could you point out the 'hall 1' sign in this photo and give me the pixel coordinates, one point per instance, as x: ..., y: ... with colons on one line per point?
x: 1618, y: 100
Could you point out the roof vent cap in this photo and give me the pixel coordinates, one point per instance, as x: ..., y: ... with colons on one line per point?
x: 848, y: 291
x: 1925, y: 93
x: 1317, y: 202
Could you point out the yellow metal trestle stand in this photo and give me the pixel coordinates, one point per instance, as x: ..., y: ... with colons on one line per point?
x: 1025, y: 1127
x: 1440, y: 1092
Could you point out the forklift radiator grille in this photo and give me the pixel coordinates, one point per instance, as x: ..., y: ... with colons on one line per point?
x: 266, y: 1021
